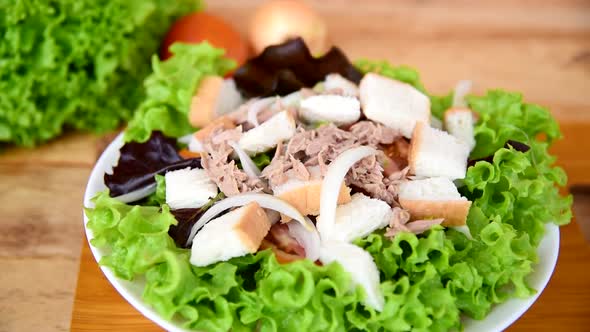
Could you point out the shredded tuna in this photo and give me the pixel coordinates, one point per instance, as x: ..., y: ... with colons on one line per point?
x: 370, y: 133
x: 396, y: 155
x: 221, y: 169
x: 400, y: 222
x: 319, y: 147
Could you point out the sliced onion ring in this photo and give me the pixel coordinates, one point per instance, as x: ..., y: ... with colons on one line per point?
x: 264, y: 200
x: 138, y: 194
x: 310, y: 241
x: 256, y: 107
x: 461, y: 90
x: 333, y: 181
x: 247, y: 163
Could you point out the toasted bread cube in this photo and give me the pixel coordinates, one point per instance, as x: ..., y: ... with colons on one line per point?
x: 340, y: 110
x: 434, y: 198
x: 358, y: 218
x: 234, y: 234
x: 436, y: 153
x: 279, y: 128
x: 393, y: 103
x: 214, y: 97
x: 336, y: 81
x: 305, y: 196
x: 189, y: 188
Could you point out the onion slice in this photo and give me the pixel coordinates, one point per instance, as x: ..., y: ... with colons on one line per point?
x: 137, y: 194
x: 461, y: 90
x: 247, y: 163
x: 264, y: 200
x: 333, y: 181
x: 186, y: 139
x: 310, y: 241
x: 256, y: 107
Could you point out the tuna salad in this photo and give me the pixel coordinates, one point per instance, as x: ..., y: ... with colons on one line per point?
x: 322, y: 195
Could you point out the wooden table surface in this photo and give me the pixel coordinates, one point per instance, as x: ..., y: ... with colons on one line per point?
x: 541, y: 48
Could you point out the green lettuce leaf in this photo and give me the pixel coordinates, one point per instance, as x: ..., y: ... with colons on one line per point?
x: 262, y: 160
x: 170, y: 87
x: 76, y: 63
x: 503, y: 116
x: 137, y: 236
x: 513, y: 197
x: 159, y: 196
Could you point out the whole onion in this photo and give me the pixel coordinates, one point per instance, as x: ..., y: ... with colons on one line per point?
x: 278, y: 21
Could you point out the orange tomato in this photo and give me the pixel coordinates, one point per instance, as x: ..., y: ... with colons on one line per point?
x: 200, y: 26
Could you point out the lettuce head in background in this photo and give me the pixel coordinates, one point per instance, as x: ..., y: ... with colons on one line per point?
x: 76, y: 64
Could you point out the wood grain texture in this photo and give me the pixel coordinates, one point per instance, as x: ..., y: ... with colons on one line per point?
x: 538, y: 47
x: 40, y: 213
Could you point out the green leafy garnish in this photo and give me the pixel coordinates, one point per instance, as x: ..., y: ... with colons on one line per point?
x: 76, y: 63
x: 159, y: 196
x: 170, y: 87
x: 503, y: 116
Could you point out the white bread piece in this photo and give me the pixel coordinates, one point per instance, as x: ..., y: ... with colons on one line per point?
x: 358, y: 218
x: 236, y: 233
x: 393, y: 103
x: 305, y: 196
x: 434, y: 198
x: 361, y: 267
x: 435, y: 153
x: 460, y: 123
x: 280, y: 127
x: 340, y: 110
x: 336, y: 81
x: 189, y: 188
x: 213, y: 98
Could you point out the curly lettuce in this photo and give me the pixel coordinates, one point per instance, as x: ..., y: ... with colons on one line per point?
x: 170, y: 87
x: 76, y: 64
x: 253, y: 290
x: 503, y: 115
x: 428, y: 280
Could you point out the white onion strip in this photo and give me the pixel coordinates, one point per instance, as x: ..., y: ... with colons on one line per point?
x: 138, y: 194
x: 256, y: 107
x: 248, y: 164
x: 186, y: 139
x: 310, y: 241
x: 264, y: 200
x: 333, y: 181
x: 462, y: 89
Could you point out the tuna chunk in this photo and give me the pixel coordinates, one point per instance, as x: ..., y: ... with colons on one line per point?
x: 221, y: 169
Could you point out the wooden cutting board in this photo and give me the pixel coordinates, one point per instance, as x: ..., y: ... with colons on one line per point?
x: 539, y: 48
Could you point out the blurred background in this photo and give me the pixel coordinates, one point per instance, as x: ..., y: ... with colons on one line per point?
x: 540, y: 48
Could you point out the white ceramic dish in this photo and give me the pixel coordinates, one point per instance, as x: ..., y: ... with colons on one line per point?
x: 497, y: 320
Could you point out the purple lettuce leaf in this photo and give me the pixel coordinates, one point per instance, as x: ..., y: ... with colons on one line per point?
x: 140, y: 162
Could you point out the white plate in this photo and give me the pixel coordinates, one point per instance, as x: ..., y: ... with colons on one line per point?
x: 498, y: 319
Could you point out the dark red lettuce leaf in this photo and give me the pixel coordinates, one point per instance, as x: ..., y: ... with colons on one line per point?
x: 288, y: 67
x: 186, y: 219
x: 140, y: 162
